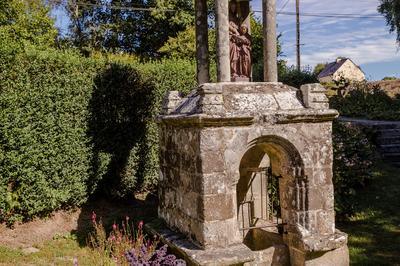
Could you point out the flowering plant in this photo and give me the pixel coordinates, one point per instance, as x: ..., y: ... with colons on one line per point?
x: 127, y: 246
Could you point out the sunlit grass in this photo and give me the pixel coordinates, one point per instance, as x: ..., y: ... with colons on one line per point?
x: 62, y: 251
x: 374, y: 230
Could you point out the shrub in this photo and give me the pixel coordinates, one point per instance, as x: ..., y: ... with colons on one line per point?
x: 353, y: 166
x: 359, y: 100
x: 293, y: 77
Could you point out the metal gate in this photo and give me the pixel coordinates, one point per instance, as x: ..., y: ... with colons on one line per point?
x: 262, y: 203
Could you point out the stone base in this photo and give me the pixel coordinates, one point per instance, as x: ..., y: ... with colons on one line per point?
x: 336, y: 257
x: 240, y: 79
x: 238, y: 254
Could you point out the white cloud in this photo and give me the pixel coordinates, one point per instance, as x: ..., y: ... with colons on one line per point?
x: 323, y: 39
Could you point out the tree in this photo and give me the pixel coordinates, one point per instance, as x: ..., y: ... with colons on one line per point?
x: 391, y: 10
x: 184, y: 46
x: 319, y: 68
x: 121, y: 25
x: 389, y: 78
x: 26, y: 21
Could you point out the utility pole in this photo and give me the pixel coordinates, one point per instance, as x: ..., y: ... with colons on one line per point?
x: 298, y: 33
x: 270, y: 49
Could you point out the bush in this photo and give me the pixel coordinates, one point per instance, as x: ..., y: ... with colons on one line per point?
x: 293, y: 77
x: 360, y: 100
x: 69, y: 125
x: 353, y: 166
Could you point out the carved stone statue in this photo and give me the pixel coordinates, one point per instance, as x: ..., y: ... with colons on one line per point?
x: 240, y: 46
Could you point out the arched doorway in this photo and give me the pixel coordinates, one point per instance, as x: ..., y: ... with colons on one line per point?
x: 270, y: 191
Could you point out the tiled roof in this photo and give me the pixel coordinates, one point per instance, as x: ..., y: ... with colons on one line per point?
x: 331, y: 68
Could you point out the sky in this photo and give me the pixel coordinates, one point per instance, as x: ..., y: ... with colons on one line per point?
x: 366, y: 41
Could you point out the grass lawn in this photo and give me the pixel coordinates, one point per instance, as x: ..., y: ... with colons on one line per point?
x: 374, y: 232
x: 61, y: 251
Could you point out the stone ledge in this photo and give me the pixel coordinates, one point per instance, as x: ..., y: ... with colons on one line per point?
x: 234, y: 255
x: 302, y: 116
x: 200, y: 120
x: 325, y: 243
x: 277, y: 117
x: 321, y: 243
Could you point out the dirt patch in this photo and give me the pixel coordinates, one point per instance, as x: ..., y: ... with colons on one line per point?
x: 77, y: 221
x: 27, y: 234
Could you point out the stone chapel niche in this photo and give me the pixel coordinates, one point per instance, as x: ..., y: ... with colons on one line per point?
x: 263, y: 192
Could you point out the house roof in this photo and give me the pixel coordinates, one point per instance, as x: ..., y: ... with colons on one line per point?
x: 331, y: 68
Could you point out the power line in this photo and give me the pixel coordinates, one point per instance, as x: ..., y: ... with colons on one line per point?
x: 149, y: 9
x: 322, y: 15
x: 283, y: 7
x: 333, y: 15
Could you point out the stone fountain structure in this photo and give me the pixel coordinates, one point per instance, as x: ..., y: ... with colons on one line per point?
x: 246, y: 170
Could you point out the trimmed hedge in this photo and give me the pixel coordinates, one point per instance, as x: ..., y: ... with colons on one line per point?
x: 45, y: 151
x: 69, y: 125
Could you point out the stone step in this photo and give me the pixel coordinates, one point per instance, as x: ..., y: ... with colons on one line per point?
x: 389, y: 131
x: 392, y: 157
x: 385, y: 134
x: 381, y: 141
x: 390, y: 148
x: 386, y: 126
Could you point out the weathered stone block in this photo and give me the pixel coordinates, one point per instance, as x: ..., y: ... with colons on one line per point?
x: 320, y: 197
x: 171, y: 101
x: 314, y: 96
x: 218, y: 207
x: 212, y: 161
x: 216, y: 183
x: 326, y: 222
x: 221, y: 234
x: 212, y: 140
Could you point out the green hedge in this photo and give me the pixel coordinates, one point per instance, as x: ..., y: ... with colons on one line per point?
x: 45, y: 151
x: 69, y: 125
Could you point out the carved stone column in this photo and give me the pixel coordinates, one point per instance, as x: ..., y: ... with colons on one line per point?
x: 270, y: 49
x: 202, y: 55
x: 222, y: 28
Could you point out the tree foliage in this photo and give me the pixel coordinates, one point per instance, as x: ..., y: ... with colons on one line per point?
x: 391, y: 10
x: 120, y: 26
x: 26, y: 21
x: 319, y: 68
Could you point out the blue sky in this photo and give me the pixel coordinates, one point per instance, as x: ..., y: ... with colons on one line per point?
x: 366, y: 41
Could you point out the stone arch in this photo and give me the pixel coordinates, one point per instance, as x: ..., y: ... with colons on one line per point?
x: 285, y: 163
